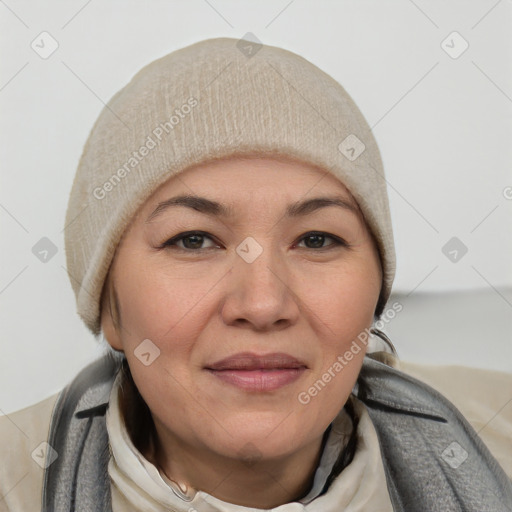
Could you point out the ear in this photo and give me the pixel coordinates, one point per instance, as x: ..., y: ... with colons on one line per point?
x: 109, y: 316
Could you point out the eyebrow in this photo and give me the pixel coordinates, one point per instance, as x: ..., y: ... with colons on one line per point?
x: 215, y: 209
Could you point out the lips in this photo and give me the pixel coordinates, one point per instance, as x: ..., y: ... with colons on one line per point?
x: 249, y: 361
x: 252, y: 372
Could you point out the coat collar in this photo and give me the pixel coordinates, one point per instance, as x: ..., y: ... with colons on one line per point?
x: 381, y: 386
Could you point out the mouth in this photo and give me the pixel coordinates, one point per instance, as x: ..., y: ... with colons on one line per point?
x: 256, y: 373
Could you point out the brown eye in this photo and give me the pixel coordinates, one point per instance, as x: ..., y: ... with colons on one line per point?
x: 316, y: 241
x: 190, y: 241
x: 193, y: 241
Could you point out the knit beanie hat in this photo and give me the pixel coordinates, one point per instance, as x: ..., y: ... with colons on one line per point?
x: 214, y: 99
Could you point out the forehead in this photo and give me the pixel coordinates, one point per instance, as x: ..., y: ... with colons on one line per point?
x: 237, y: 180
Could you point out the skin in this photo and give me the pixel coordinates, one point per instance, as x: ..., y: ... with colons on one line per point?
x: 306, y: 296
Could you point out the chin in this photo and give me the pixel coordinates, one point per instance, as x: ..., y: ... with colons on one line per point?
x: 263, y: 437
x: 253, y: 451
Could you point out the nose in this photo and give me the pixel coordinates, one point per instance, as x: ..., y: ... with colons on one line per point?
x: 260, y: 294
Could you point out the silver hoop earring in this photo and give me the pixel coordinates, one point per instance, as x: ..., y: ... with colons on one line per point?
x: 384, y: 338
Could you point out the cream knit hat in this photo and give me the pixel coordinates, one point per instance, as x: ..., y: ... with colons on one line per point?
x: 210, y: 100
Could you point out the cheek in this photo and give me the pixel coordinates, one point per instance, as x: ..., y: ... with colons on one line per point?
x: 347, y: 300
x: 158, y: 306
x: 170, y: 311
x: 158, y: 302
x: 344, y: 308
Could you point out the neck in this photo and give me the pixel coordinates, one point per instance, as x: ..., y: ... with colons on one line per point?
x: 247, y: 482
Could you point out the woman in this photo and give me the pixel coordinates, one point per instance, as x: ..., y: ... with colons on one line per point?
x: 228, y: 232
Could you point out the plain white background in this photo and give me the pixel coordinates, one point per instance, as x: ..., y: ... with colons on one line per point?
x: 443, y: 123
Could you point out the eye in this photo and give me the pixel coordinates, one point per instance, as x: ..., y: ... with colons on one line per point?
x: 191, y: 240
x: 315, y: 240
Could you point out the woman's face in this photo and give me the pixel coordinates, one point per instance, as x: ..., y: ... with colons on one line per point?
x: 236, y: 299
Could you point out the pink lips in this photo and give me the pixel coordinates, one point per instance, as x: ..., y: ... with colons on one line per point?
x: 251, y: 372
